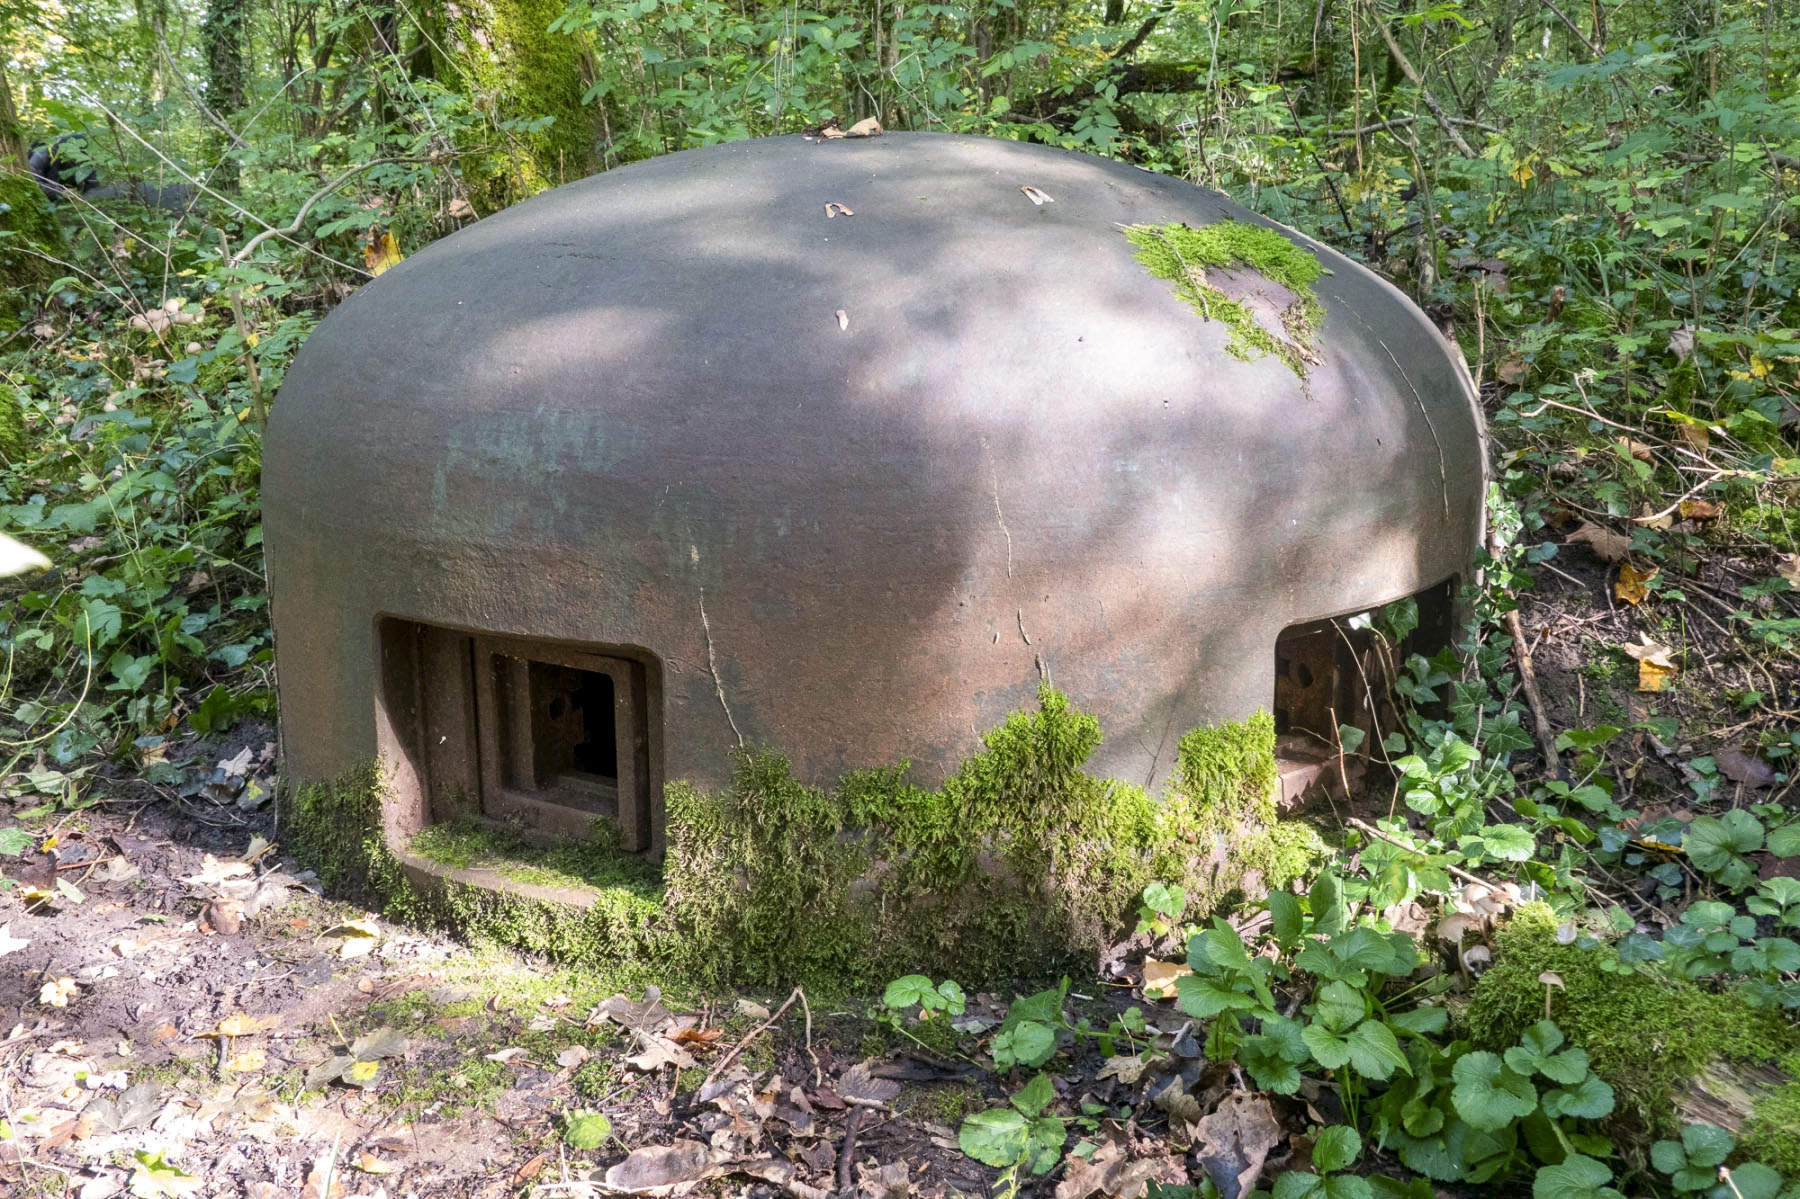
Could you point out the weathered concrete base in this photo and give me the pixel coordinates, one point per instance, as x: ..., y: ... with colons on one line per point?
x: 1020, y: 864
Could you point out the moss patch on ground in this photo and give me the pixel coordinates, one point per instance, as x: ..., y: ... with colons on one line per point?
x: 1645, y: 1034
x: 1021, y: 864
x: 1220, y: 270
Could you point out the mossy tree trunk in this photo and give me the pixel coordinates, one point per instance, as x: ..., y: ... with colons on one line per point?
x: 502, y: 55
x: 31, y: 242
x: 224, y: 36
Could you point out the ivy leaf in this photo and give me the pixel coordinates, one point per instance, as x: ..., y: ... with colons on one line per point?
x: 1577, y: 1177
x: 1589, y: 1099
x: 1489, y: 1095
x: 1337, y: 1148
x: 998, y: 1137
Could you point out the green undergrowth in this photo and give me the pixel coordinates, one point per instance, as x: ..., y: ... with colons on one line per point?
x: 1182, y: 255
x: 1020, y: 865
x: 1650, y: 1036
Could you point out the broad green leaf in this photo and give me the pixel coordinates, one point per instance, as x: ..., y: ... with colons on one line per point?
x: 1328, y: 1049
x: 907, y: 991
x: 1784, y: 842
x: 1374, y: 1052
x: 1706, y: 1144
x: 1668, y: 1156
x: 1027, y: 1044
x: 1589, y: 1099
x: 998, y: 1137
x: 1286, y: 917
x: 1339, y: 1006
x: 1035, y: 1095
x: 1421, y: 1021
x: 1488, y: 1094
x: 1752, y: 1180
x: 155, y: 1178
x: 1577, y: 1177
x: 587, y: 1130
x: 1714, y: 843
x: 1203, y: 998
x: 1337, y: 1148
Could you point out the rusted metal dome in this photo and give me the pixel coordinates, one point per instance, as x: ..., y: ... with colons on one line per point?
x: 838, y: 448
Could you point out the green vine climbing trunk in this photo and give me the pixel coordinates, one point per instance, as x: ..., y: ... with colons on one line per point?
x: 529, y: 83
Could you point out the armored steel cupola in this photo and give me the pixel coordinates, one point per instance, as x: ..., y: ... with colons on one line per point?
x: 841, y: 448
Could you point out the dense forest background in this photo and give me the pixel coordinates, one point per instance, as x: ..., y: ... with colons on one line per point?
x: 1596, y: 202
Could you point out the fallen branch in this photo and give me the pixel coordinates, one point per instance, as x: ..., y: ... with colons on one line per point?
x: 759, y: 1030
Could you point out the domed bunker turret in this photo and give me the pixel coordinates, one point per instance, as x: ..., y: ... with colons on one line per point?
x: 843, y: 450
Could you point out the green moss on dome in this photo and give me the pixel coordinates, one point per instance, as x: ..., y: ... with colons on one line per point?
x: 1185, y: 255
x: 1021, y: 864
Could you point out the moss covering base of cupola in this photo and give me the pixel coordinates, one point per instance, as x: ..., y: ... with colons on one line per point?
x: 1020, y: 865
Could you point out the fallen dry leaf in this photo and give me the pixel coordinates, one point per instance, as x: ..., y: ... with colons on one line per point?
x: 1159, y: 978
x: 247, y: 1062
x: 1606, y: 544
x: 658, y: 1169
x: 832, y: 208
x: 1636, y: 449
x: 1234, y: 1141
x: 1788, y: 567
x: 1745, y: 768
x: 1655, y: 666
x: 360, y: 936
x: 8, y: 942
x: 1037, y: 195
x: 213, y: 872
x: 57, y: 992
x: 380, y: 252
x: 1633, y: 585
x: 225, y: 916
x: 571, y: 1057
x: 1699, y: 510
x: 867, y: 127
x: 1513, y: 370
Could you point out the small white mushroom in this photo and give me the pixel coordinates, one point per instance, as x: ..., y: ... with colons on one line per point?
x: 1565, y: 935
x: 1455, y: 927
x: 1551, y: 979
x: 1477, y: 956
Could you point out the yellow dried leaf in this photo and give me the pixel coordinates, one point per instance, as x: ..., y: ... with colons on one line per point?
x: 1606, y: 544
x: 368, y: 1163
x: 1159, y: 978
x: 361, y: 1072
x: 1695, y: 435
x: 240, y: 1025
x: 1699, y: 510
x: 1654, y: 677
x: 1633, y: 584
x: 380, y: 252
x: 1656, y: 665
x: 247, y: 1062
x: 867, y: 127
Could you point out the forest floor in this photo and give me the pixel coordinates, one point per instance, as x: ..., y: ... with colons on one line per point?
x: 179, y: 992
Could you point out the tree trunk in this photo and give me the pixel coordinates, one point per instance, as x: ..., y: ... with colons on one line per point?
x: 222, y: 36
x: 501, y: 54
x: 31, y: 242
